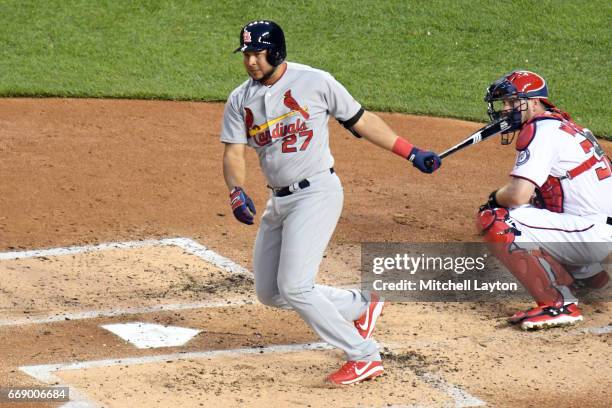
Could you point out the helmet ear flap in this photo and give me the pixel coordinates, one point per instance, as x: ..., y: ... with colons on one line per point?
x: 274, y: 57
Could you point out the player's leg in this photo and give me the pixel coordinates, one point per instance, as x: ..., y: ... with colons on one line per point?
x: 312, y: 215
x: 542, y: 276
x: 266, y: 255
x: 363, y: 308
x: 579, y: 243
x: 532, y: 243
x: 534, y: 268
x: 591, y: 276
x: 350, y: 303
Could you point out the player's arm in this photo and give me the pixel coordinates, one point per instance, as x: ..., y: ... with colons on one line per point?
x: 234, y: 173
x: 372, y: 128
x: 536, y: 153
x: 234, y: 164
x: 514, y: 194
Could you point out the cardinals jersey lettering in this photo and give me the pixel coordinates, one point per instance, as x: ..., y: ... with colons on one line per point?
x: 556, y: 148
x: 287, y: 123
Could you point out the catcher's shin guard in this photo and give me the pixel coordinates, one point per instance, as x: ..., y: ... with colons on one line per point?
x: 545, y: 278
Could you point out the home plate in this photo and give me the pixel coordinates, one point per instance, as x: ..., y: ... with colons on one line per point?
x: 148, y: 335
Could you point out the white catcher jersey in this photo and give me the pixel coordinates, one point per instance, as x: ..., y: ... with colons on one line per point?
x: 287, y: 123
x: 556, y: 147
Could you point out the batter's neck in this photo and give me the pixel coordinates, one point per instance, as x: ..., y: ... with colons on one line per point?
x: 274, y: 75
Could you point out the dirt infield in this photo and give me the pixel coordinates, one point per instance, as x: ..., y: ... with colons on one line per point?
x: 88, y: 172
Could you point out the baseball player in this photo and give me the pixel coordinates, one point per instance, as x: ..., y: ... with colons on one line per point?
x: 551, y: 224
x: 282, y: 112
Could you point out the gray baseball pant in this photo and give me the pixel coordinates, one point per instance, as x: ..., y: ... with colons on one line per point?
x: 289, y: 247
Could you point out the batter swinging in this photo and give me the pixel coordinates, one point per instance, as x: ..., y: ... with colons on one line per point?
x: 282, y: 111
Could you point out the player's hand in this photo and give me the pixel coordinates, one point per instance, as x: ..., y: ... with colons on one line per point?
x: 491, y: 203
x: 537, y: 200
x: 426, y: 161
x: 242, y: 206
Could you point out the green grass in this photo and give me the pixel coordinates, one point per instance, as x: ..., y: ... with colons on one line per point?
x: 426, y: 57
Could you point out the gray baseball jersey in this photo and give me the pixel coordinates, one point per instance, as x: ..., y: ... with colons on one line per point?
x: 287, y: 122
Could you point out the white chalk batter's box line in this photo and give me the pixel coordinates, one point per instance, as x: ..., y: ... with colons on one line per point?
x: 186, y: 244
x: 45, y: 374
x: 79, y: 399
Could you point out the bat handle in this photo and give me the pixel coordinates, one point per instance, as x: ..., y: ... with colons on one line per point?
x: 429, y: 163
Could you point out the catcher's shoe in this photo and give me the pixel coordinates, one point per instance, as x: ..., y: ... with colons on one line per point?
x: 544, y: 316
x: 353, y: 372
x: 367, y: 322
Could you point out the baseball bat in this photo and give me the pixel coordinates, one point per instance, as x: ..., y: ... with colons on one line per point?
x: 481, y: 134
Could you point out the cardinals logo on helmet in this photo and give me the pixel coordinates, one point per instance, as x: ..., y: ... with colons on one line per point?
x: 246, y: 36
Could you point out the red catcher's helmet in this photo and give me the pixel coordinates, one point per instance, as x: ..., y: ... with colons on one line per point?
x: 518, y: 84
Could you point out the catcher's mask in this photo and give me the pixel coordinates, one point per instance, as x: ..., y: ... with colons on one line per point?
x: 262, y: 35
x: 515, y: 86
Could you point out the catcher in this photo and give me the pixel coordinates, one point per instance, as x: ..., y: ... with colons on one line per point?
x: 551, y: 224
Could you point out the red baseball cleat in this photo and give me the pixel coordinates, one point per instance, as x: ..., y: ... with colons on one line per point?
x: 544, y: 316
x: 367, y: 322
x: 353, y: 372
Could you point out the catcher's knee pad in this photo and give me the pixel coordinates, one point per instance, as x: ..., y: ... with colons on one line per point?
x: 543, y: 276
x: 493, y: 225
